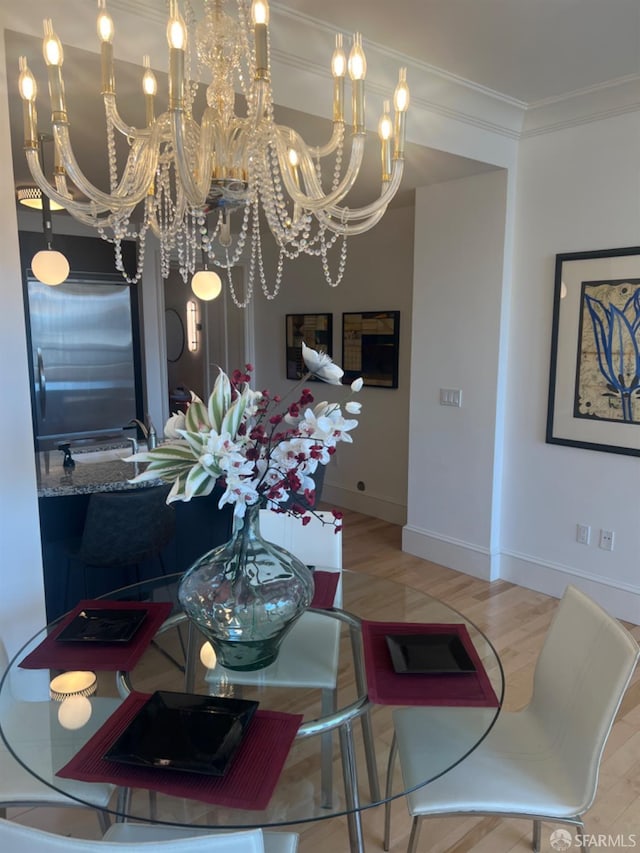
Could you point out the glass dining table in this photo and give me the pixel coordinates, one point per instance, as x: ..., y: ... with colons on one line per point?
x: 278, y: 777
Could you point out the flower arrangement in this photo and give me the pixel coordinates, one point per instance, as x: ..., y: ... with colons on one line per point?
x: 259, y: 449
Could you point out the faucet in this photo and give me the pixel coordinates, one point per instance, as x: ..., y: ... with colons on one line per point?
x: 148, y: 430
x: 143, y: 428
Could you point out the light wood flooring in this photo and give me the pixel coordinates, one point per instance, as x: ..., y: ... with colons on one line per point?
x: 515, y: 619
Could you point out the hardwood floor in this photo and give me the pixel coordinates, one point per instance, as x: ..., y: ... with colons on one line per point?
x: 516, y: 620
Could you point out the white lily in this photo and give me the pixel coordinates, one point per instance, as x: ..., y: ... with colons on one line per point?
x: 175, y: 423
x: 320, y: 365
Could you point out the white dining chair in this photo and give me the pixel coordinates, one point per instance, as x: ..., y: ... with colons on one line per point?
x: 123, y: 837
x: 30, y: 723
x: 539, y: 763
x: 308, y: 656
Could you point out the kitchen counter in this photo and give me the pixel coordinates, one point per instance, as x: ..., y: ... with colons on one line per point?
x: 87, y: 477
x: 63, y: 496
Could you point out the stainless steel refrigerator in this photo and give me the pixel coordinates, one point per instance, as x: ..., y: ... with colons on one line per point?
x: 85, y: 358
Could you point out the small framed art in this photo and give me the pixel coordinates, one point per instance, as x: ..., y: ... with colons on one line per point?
x: 316, y: 330
x: 370, y: 343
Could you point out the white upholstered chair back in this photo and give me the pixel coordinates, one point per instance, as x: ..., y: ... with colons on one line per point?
x: 581, y: 675
x: 315, y: 544
x: 24, y: 839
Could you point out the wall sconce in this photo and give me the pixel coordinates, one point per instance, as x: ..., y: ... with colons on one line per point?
x: 193, y: 327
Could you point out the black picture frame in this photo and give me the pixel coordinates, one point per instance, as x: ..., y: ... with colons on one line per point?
x: 316, y: 330
x: 594, y: 378
x: 370, y: 347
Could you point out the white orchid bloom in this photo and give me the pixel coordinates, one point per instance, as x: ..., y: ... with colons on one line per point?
x: 357, y: 384
x: 239, y: 492
x: 320, y: 365
x: 175, y: 423
x: 352, y: 407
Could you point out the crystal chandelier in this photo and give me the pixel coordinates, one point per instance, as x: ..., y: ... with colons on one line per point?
x: 183, y: 180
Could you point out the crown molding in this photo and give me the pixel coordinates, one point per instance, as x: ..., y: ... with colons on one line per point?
x: 597, y: 103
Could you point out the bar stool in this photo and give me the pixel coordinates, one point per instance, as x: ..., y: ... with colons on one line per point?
x: 122, y: 529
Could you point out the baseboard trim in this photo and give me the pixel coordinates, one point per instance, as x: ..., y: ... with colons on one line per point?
x: 452, y: 553
x: 619, y: 599
x: 366, y: 504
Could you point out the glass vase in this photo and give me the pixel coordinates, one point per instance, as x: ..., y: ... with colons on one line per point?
x: 245, y: 595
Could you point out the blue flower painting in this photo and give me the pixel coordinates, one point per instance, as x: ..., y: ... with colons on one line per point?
x: 608, y: 386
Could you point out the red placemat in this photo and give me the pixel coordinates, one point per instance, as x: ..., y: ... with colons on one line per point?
x: 51, y: 654
x: 248, y: 784
x: 386, y: 687
x: 326, y: 584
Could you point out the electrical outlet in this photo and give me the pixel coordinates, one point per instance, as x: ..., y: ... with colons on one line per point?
x: 583, y: 534
x: 606, y: 539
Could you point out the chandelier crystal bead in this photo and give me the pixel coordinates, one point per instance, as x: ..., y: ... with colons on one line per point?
x: 185, y: 177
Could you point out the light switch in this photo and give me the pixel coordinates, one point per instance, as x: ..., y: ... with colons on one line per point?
x: 451, y: 397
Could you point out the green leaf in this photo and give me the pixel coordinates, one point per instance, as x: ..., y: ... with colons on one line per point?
x: 197, y: 442
x: 170, y: 452
x: 197, y: 481
x: 197, y: 417
x: 219, y: 401
x: 233, y: 417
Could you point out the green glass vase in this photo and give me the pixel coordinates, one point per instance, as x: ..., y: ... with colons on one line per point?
x: 245, y: 595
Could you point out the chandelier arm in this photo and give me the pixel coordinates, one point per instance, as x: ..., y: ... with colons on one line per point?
x: 389, y: 189
x: 330, y: 146
x: 347, y: 230
x: 195, y: 190
x: 316, y: 200
x: 87, y: 207
x: 137, y: 177
x: 111, y: 110
x: 346, y: 214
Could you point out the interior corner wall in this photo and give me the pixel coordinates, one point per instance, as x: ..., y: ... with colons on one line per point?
x: 378, y: 277
x: 457, y: 305
x: 577, y: 190
x: 22, y: 600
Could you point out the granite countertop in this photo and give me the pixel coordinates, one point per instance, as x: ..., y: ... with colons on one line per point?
x: 107, y: 474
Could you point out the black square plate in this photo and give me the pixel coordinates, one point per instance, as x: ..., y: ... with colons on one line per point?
x: 428, y: 653
x: 103, y: 626
x: 184, y: 731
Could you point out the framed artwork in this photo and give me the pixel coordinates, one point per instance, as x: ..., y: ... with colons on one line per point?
x: 370, y: 343
x: 316, y: 330
x: 594, y: 384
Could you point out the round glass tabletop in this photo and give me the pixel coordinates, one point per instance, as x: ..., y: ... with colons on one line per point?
x: 323, y: 728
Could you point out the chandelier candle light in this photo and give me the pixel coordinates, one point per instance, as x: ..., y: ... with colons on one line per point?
x: 184, y: 179
x: 245, y: 595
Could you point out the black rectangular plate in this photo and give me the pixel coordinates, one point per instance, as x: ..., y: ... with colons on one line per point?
x: 437, y: 654
x: 103, y: 626
x: 184, y: 731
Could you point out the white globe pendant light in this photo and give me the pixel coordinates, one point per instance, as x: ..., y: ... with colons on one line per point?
x: 206, y: 285
x: 50, y: 267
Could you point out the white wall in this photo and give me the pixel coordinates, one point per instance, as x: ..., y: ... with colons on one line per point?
x: 457, y: 312
x: 578, y: 190
x: 22, y: 599
x: 487, y: 495
x: 378, y: 277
